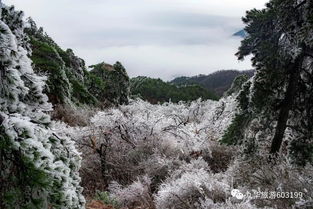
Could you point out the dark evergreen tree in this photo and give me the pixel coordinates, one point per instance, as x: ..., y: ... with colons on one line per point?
x: 109, y: 84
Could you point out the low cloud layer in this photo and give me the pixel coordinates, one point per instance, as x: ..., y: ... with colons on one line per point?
x: 157, y: 38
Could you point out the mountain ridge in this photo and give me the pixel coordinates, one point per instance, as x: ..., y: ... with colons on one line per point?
x: 217, y: 82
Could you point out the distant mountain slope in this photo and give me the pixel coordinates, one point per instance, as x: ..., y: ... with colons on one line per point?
x: 241, y: 33
x: 217, y: 82
x: 156, y: 90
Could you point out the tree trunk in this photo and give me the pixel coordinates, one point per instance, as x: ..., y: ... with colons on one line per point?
x: 102, y: 154
x: 288, y: 101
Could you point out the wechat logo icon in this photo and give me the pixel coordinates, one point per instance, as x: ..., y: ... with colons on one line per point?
x: 236, y: 193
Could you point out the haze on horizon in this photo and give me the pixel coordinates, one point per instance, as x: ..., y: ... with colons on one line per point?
x: 155, y: 38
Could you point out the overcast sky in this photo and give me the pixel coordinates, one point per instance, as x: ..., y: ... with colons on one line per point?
x: 157, y: 38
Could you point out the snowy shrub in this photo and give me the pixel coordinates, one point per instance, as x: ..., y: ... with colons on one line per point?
x: 136, y: 194
x: 73, y: 115
x: 257, y: 174
x: 189, y: 184
x: 106, y: 199
x: 220, y: 157
x: 40, y: 168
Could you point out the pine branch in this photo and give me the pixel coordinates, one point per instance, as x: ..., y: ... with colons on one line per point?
x: 301, y: 4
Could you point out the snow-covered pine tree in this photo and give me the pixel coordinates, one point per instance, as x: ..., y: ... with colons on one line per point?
x: 38, y: 168
x: 276, y: 105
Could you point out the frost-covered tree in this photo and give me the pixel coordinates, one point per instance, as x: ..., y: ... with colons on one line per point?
x: 277, y: 110
x: 38, y: 168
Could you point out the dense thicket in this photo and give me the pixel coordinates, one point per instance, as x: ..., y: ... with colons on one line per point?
x: 156, y: 90
x: 218, y: 82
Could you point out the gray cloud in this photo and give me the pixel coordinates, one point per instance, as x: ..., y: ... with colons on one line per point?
x: 157, y: 38
x: 190, y: 20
